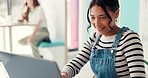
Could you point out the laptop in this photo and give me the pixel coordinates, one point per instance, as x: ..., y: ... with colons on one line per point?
x: 18, y: 66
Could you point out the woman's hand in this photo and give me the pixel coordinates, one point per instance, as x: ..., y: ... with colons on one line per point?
x: 64, y: 75
x: 30, y: 38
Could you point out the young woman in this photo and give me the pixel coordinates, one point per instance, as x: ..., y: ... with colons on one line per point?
x: 35, y: 15
x: 113, y: 52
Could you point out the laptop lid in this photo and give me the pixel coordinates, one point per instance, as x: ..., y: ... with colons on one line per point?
x: 18, y: 66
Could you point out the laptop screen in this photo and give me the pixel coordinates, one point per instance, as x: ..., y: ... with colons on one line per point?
x: 18, y: 66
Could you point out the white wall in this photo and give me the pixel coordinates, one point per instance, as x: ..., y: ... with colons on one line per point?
x: 82, y: 22
x: 55, y: 12
x: 55, y: 15
x: 143, y: 27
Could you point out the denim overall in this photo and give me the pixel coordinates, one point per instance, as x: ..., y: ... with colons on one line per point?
x: 102, y: 61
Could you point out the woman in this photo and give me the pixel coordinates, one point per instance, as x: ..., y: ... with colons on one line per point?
x: 113, y: 52
x: 35, y: 15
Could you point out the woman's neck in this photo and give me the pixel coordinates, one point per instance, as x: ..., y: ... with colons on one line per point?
x: 113, y: 31
x: 32, y: 7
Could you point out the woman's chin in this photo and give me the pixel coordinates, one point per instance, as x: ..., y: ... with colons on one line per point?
x: 101, y: 33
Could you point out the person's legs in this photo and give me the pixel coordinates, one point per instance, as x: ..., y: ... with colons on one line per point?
x: 34, y: 48
x: 23, y: 41
x: 36, y: 40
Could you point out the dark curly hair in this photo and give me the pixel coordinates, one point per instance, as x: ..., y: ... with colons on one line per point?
x: 112, y: 5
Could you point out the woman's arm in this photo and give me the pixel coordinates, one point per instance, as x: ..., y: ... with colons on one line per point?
x: 34, y: 32
x: 133, y: 52
x: 73, y: 67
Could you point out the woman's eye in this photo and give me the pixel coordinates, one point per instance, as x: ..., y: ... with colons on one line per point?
x: 103, y: 18
x: 92, y: 18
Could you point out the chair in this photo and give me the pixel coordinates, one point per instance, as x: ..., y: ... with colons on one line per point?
x: 53, y: 51
x: 18, y: 66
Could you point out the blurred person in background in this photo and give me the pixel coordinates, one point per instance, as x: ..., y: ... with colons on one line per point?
x: 33, y: 13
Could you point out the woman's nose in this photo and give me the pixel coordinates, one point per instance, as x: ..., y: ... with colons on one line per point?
x: 97, y: 23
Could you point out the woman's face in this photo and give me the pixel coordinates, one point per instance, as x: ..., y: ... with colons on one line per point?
x: 30, y: 3
x: 100, y: 20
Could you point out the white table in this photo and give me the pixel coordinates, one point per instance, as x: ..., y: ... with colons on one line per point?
x: 10, y: 32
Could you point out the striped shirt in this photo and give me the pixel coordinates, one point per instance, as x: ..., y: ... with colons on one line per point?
x: 129, y: 55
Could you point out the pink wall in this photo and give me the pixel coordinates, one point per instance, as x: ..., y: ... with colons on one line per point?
x: 74, y: 4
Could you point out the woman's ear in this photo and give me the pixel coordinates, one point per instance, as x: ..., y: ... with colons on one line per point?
x: 116, y: 13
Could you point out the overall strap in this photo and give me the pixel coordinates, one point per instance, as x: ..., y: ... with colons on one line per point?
x: 118, y: 36
x: 96, y: 41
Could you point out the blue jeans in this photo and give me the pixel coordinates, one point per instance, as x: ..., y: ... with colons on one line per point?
x: 103, y: 63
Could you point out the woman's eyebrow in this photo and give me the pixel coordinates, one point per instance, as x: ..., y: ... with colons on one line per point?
x: 102, y: 14
x: 91, y: 15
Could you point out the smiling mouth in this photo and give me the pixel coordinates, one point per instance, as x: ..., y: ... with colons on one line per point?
x: 100, y: 29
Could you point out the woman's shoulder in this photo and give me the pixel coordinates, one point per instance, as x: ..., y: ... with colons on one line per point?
x: 129, y: 33
x: 39, y: 8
